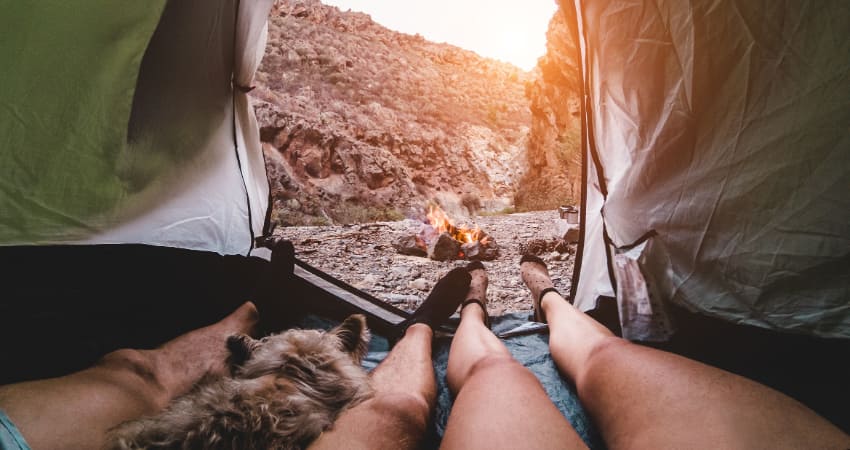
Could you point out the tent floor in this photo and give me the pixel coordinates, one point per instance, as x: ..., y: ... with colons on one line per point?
x: 62, y: 308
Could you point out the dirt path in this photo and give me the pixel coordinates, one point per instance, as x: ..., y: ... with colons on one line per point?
x: 362, y: 255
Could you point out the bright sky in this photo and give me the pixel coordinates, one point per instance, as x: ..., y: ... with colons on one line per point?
x: 508, y: 30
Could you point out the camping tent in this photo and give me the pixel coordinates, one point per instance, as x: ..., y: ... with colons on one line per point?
x: 716, y: 177
x: 717, y: 163
x: 717, y: 153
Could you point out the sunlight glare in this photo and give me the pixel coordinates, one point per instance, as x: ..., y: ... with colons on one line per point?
x: 507, y: 30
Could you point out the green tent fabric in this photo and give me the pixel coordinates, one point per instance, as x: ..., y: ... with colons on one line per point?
x: 130, y: 123
x: 718, y: 162
x: 66, y: 92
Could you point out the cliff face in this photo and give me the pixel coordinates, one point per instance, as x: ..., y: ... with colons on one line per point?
x: 554, y: 160
x: 359, y: 122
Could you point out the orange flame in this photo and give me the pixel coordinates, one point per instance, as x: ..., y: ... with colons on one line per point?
x: 441, y: 222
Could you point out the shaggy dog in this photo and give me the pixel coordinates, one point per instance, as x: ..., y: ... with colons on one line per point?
x: 286, y: 389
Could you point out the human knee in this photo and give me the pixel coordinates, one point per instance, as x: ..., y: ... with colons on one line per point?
x: 606, y: 348
x: 136, y: 371
x: 599, y: 356
x: 458, y: 376
x: 409, y: 413
x: 499, y: 366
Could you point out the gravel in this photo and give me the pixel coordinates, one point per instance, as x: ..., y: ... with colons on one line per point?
x: 363, y: 256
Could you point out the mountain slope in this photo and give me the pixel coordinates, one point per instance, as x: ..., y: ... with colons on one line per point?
x: 554, y: 157
x: 360, y: 122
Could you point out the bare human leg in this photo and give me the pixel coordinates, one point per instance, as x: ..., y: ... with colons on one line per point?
x: 646, y: 398
x: 499, y: 404
x: 397, y: 416
x: 405, y: 392
x: 76, y: 411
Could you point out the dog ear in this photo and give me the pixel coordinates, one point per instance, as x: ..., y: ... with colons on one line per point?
x: 241, y: 347
x: 354, y: 336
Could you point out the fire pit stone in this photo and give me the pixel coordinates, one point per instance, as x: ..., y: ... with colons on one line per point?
x: 475, y: 251
x: 412, y: 245
x: 444, y: 248
x: 440, y: 240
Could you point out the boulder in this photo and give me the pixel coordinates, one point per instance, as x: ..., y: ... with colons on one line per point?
x: 444, y: 248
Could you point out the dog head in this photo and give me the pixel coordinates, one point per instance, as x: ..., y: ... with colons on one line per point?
x: 300, y: 353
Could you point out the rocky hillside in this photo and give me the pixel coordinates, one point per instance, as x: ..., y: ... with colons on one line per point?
x: 362, y: 123
x: 554, y: 159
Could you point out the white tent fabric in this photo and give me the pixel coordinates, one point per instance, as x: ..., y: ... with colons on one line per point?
x: 722, y: 127
x: 130, y: 124
x: 203, y: 203
x: 251, y: 41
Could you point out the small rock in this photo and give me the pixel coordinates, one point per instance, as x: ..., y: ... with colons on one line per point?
x: 401, y: 271
x: 573, y: 235
x: 564, y: 230
x: 410, y: 244
x: 420, y: 284
x: 490, y: 251
x: 563, y: 247
x: 397, y: 299
x: 368, y: 282
x: 535, y: 247
x: 471, y: 250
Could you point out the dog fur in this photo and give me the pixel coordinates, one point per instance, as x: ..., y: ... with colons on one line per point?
x: 286, y: 390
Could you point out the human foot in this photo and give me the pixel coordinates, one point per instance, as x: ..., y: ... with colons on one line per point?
x: 443, y: 300
x: 535, y: 275
x: 477, y: 289
x: 242, y: 320
x: 203, y: 352
x: 212, y: 340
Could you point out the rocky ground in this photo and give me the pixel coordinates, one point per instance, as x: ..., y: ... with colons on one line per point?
x: 363, y: 255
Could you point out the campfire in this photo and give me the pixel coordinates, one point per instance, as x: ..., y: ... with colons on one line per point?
x: 441, y: 240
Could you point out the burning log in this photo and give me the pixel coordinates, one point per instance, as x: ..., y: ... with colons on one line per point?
x: 483, y: 250
x: 441, y: 240
x: 438, y: 219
